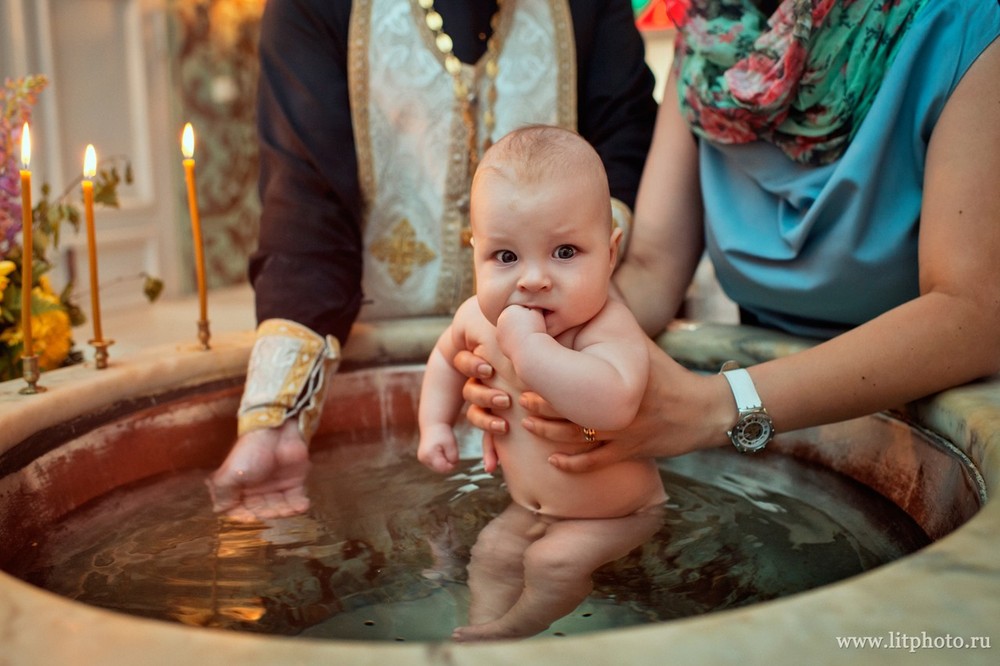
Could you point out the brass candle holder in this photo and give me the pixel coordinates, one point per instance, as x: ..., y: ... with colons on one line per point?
x: 29, y: 365
x: 203, y: 334
x: 101, y: 352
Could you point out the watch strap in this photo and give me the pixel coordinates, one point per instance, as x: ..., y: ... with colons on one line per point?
x: 744, y: 392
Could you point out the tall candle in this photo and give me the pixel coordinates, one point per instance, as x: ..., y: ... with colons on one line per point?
x: 26, y: 241
x: 89, y: 171
x: 187, y: 148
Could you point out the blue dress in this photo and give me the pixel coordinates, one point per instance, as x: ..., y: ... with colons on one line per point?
x: 818, y: 250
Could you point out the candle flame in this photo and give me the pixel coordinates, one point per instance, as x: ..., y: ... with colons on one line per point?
x: 90, y: 162
x: 187, y: 141
x: 25, y: 146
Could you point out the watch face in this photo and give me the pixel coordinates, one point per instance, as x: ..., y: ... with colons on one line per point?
x: 753, y: 432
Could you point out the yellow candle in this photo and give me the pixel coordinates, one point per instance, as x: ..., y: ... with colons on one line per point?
x: 89, y: 171
x: 187, y: 147
x: 27, y: 251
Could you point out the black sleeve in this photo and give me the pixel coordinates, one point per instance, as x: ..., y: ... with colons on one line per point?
x: 616, y: 109
x: 308, y: 264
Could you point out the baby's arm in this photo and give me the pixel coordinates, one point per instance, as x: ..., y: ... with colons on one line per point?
x: 599, y: 383
x: 441, y: 401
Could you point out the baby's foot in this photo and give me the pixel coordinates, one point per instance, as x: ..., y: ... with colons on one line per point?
x: 493, y: 631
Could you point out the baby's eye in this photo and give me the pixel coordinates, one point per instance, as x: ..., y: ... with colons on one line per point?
x: 564, y: 252
x: 505, y: 256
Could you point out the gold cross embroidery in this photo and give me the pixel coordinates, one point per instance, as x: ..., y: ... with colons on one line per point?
x: 402, y: 251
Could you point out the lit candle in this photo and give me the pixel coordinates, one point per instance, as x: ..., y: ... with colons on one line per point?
x: 27, y: 249
x: 89, y: 171
x: 187, y: 147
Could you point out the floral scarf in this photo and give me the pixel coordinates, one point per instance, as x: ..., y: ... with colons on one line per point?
x: 802, y: 79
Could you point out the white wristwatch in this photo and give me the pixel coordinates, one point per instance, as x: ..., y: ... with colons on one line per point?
x: 753, y: 429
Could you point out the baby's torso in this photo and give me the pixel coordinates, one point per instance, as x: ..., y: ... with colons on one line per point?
x: 613, y: 491
x: 617, y: 490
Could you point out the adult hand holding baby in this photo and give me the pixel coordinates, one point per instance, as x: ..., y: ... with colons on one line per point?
x: 662, y: 427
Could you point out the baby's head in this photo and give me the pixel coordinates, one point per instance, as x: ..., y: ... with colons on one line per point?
x: 541, y: 227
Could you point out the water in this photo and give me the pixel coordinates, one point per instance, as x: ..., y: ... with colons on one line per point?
x: 381, y: 554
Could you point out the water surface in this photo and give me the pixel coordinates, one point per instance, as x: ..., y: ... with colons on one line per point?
x: 381, y: 555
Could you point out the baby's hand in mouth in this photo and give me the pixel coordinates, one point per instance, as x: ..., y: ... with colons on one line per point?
x: 517, y: 322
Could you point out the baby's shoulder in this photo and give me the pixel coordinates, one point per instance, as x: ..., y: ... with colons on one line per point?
x: 470, y: 314
x: 614, y: 322
x: 471, y: 324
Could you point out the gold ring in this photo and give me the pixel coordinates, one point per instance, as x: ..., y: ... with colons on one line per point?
x: 589, y: 435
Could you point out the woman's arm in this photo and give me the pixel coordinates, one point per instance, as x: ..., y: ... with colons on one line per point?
x: 667, y: 239
x: 948, y: 335
x: 945, y: 337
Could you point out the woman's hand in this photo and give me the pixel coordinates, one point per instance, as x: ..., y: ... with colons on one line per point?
x: 681, y: 411
x: 481, y: 398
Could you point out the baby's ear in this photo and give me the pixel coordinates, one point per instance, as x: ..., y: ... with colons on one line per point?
x: 616, y: 243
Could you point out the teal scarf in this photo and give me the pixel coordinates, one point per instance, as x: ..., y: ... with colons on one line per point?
x: 802, y: 79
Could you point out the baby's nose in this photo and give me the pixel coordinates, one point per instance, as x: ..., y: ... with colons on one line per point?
x: 534, y: 278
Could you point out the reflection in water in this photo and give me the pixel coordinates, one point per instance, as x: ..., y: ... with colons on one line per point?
x: 527, y: 570
x: 382, y: 553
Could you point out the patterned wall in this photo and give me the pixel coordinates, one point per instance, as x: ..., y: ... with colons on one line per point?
x: 213, y: 52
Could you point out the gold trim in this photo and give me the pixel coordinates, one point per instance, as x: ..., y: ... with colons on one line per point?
x: 358, y: 38
x: 401, y: 251
x: 565, y: 41
x: 427, y: 36
x: 476, y: 92
x: 303, y: 382
x: 455, y: 279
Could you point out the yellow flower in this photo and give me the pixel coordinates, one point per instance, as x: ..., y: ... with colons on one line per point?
x: 51, y: 331
x: 46, y: 286
x: 6, y: 268
x: 51, y: 328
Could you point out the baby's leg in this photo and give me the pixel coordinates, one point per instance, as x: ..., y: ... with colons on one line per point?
x: 558, y: 569
x: 496, y: 570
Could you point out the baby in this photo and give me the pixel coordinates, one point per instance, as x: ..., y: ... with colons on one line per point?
x: 544, y: 251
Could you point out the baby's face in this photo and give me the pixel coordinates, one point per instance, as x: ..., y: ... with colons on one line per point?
x: 545, y: 245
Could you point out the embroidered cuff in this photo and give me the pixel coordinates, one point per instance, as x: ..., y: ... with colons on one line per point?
x: 286, y: 377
